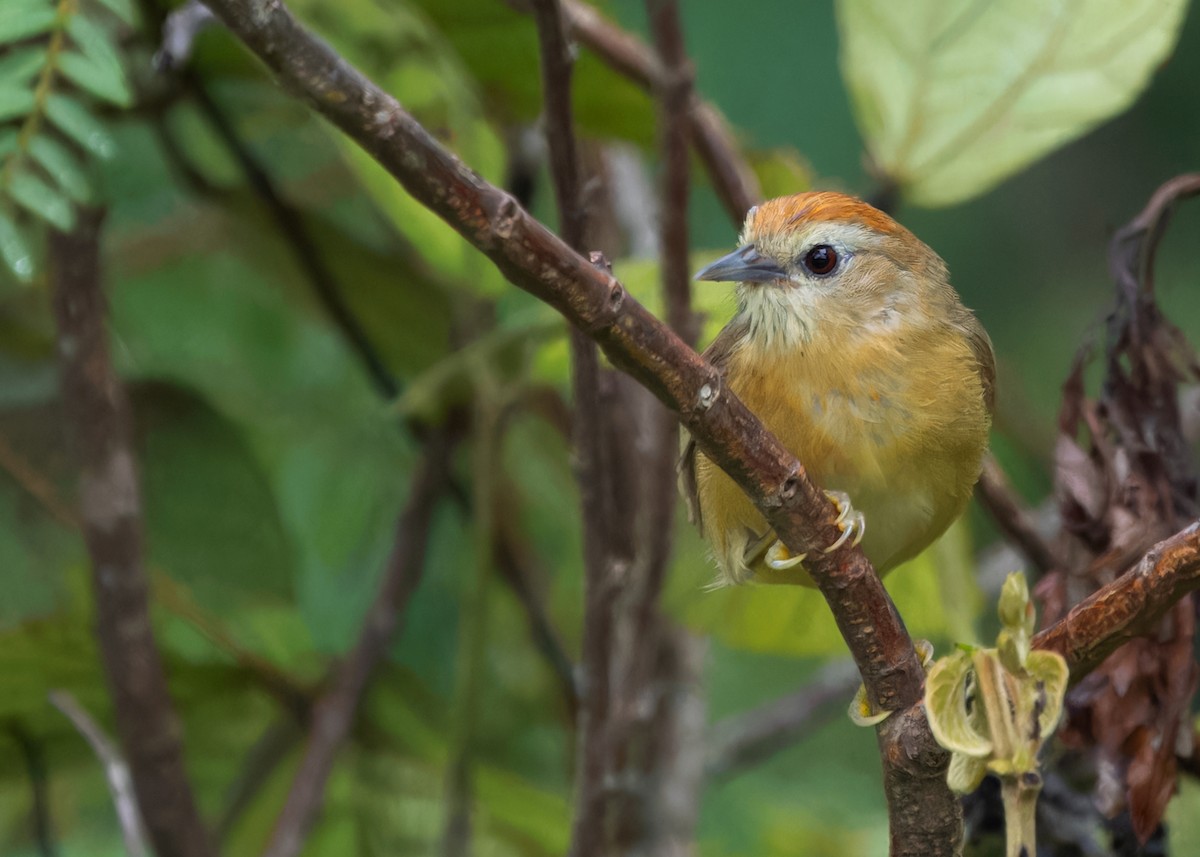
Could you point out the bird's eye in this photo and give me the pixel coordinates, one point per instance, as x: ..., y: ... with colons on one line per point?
x: 821, y: 259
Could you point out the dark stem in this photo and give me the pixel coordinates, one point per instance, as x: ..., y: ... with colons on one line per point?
x: 1014, y: 519
x: 733, y: 179
x: 743, y: 740
x: 519, y: 568
x: 96, y: 412
x: 334, y: 713
x: 594, y: 458
x: 35, y: 769
x: 290, y: 223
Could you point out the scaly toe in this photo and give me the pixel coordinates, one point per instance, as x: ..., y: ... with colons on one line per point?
x: 850, y: 521
x: 841, y: 500
x: 780, y: 558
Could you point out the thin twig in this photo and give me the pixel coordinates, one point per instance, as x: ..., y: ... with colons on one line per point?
x: 518, y: 567
x: 116, y: 773
x: 334, y: 713
x: 656, y: 516
x: 746, y: 739
x: 488, y: 424
x: 735, y: 182
x: 1014, y: 519
x: 97, y: 415
x: 35, y: 768
x: 291, y: 226
x: 254, y: 772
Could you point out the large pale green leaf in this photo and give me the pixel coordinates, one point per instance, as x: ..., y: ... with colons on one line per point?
x: 954, y: 97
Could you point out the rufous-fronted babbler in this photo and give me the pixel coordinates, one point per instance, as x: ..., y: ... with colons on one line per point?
x: 853, y: 349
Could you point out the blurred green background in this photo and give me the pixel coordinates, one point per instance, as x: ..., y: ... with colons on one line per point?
x: 273, y: 470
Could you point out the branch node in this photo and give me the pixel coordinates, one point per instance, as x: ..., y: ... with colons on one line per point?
x: 708, y: 395
x: 505, y: 216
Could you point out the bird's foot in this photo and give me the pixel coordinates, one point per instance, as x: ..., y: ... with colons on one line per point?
x: 850, y: 521
x: 780, y: 558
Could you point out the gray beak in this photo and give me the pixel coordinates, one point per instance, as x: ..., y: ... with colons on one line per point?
x: 743, y: 265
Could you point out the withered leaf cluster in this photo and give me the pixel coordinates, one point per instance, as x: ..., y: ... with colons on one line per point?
x: 1126, y: 478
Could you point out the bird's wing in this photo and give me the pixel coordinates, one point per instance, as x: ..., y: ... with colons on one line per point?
x: 981, y: 346
x: 718, y: 354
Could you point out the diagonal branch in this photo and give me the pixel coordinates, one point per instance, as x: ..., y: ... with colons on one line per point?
x: 1014, y: 519
x: 334, y: 712
x: 1129, y: 606
x: 97, y: 416
x: 536, y: 260
x: 745, y: 739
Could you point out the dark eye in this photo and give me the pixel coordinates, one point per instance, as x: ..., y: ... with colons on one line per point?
x: 821, y: 259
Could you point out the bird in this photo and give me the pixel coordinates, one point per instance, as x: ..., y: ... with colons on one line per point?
x: 854, y: 350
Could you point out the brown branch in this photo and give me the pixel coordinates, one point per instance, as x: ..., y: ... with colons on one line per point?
x: 735, y: 183
x: 591, y: 433
x: 334, y: 712
x: 96, y: 412
x: 116, y: 773
x: 537, y: 261
x: 1014, y: 519
x: 657, y: 509
x: 1129, y: 606
x: 746, y: 739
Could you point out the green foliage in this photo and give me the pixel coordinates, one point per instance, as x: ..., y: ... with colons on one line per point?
x: 952, y: 100
x: 273, y: 471
x: 55, y: 56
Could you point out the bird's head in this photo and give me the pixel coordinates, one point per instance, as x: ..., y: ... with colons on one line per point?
x: 826, y: 261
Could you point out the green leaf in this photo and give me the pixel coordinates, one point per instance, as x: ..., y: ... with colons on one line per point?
x: 952, y: 722
x: 965, y: 773
x: 15, y: 101
x: 102, y: 79
x: 17, y: 67
x: 15, y: 249
x: 123, y: 9
x: 93, y: 40
x: 21, y: 19
x: 33, y: 194
x: 1051, y: 671
x: 62, y: 166
x: 954, y: 98
x: 74, y: 120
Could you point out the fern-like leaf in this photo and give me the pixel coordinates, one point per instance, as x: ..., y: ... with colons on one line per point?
x: 57, y: 58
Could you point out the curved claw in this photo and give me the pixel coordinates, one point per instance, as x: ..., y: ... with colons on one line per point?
x: 780, y: 558
x: 850, y: 521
